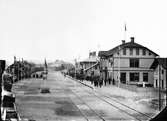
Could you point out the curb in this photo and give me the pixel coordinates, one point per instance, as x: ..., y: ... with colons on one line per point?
x: 81, y: 82
x: 86, y: 85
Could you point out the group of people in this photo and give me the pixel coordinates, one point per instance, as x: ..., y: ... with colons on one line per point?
x: 96, y: 80
x: 99, y: 82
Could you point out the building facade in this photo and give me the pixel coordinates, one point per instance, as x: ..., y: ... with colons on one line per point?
x: 159, y: 66
x: 128, y: 63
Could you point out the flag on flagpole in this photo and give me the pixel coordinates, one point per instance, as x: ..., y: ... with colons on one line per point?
x: 125, y: 27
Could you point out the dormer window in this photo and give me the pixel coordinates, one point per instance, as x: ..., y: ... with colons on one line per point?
x: 149, y: 53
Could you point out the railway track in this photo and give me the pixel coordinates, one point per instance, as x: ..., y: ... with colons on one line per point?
x: 89, y: 107
x: 99, y: 117
x: 138, y: 115
x: 95, y: 117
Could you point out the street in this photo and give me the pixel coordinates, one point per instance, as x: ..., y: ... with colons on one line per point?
x: 68, y: 100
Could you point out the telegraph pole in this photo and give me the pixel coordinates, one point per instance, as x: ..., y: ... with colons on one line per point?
x: 75, y: 67
x: 159, y: 74
x: 119, y: 66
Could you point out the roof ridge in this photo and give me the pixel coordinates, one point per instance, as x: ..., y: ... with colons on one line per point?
x: 127, y: 44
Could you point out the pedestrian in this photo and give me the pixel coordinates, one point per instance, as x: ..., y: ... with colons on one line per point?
x: 113, y: 81
x: 101, y: 82
x: 94, y: 82
x: 109, y: 81
x: 105, y: 82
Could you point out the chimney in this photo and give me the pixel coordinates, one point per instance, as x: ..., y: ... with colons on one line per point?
x: 123, y: 41
x: 132, y: 39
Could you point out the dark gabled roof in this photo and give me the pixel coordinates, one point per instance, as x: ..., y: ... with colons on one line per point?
x: 159, y: 61
x: 102, y: 53
x: 125, y: 45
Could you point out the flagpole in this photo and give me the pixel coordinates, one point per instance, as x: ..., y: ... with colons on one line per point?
x: 125, y: 34
x: 119, y: 49
x: 119, y: 67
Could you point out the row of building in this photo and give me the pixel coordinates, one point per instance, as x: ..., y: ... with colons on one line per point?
x: 128, y: 63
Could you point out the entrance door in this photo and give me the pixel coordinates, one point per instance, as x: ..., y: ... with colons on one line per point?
x: 123, y: 78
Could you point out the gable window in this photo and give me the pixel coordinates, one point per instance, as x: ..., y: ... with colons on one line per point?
x: 134, y: 77
x: 137, y: 51
x: 134, y: 63
x: 124, y: 51
x: 149, y: 53
x: 145, y: 77
x: 144, y: 52
x: 131, y: 51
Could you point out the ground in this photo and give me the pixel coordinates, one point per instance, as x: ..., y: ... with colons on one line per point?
x: 70, y: 100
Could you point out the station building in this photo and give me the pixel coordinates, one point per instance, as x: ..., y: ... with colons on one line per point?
x: 128, y: 63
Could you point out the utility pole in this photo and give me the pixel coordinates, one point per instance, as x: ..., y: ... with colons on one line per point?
x: 159, y: 74
x: 119, y: 66
x: 75, y: 67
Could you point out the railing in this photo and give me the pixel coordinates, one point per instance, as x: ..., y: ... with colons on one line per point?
x: 91, y: 66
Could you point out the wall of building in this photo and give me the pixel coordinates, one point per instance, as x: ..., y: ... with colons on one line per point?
x: 122, y: 64
x: 162, y: 77
x: 150, y: 76
x: 104, y: 63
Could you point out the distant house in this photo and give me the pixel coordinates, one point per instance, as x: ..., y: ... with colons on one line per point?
x: 90, y: 65
x: 159, y: 66
x: 127, y: 63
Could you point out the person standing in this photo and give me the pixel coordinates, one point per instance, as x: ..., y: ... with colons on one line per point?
x: 101, y: 81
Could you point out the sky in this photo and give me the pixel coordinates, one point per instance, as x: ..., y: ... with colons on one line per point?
x: 69, y: 29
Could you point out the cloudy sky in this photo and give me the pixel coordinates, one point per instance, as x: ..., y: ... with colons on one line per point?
x: 69, y: 29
